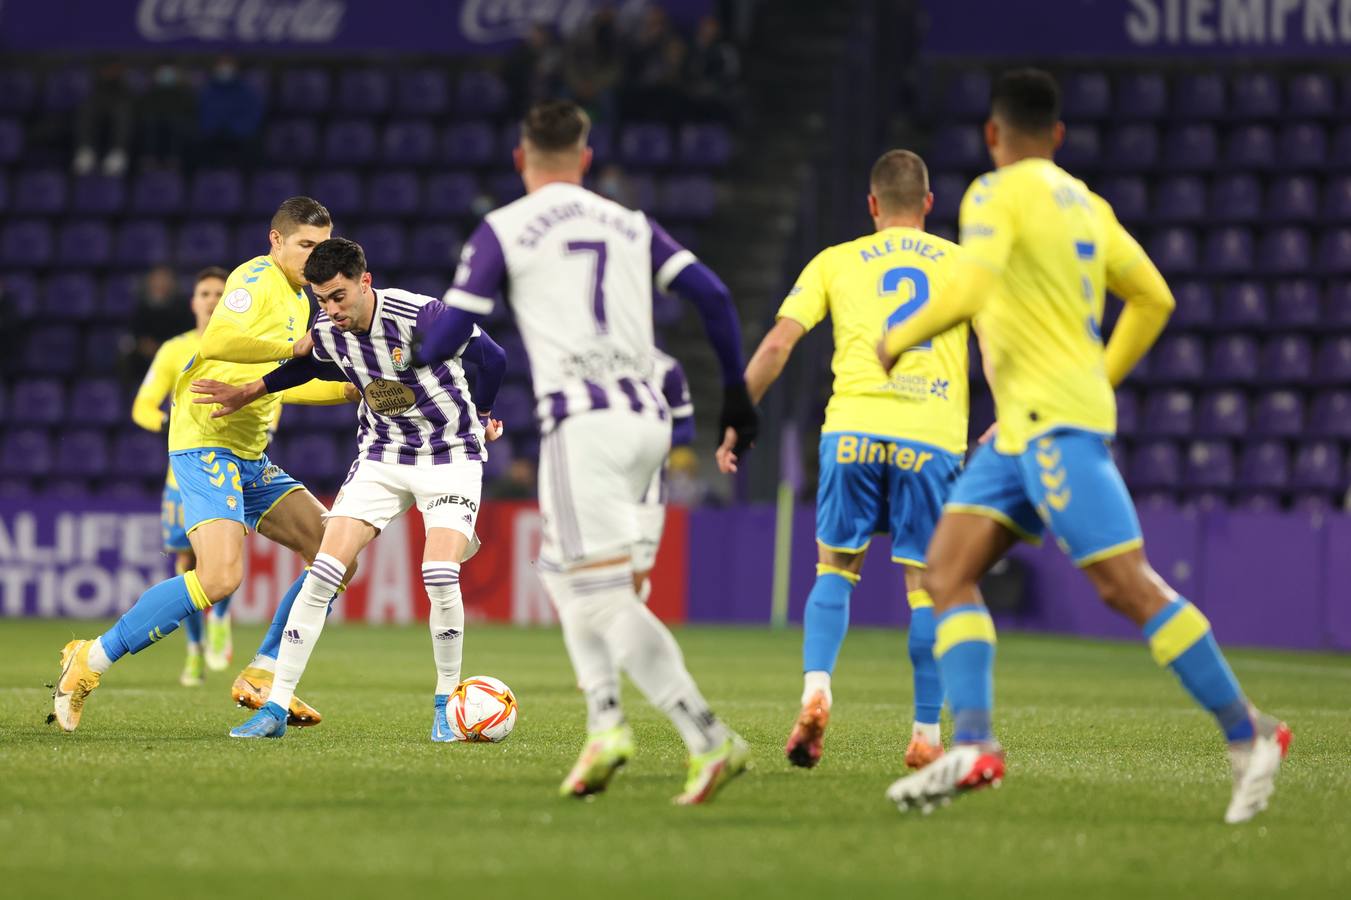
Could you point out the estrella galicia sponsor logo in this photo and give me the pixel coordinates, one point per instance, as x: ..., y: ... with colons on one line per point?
x: 292, y: 635
x: 451, y: 500
x: 449, y: 634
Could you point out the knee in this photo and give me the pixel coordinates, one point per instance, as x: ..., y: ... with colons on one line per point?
x: 220, y: 580
x: 1131, y: 594
x: 943, y: 585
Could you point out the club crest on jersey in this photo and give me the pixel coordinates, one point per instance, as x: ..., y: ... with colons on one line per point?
x: 400, y: 359
x: 231, y: 502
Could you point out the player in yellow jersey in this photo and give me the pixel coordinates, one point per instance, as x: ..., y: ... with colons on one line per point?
x: 227, y: 483
x: 893, y: 439
x: 1039, y: 251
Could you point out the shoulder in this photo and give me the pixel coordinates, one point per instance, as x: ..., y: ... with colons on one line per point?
x: 986, y: 186
x: 1101, y: 208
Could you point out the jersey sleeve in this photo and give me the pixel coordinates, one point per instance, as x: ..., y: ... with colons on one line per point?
x: 807, y: 302
x: 158, y: 382
x: 230, y: 336
x: 987, y: 223
x: 669, y: 258
x: 1122, y: 252
x: 317, y: 393
x: 481, y: 273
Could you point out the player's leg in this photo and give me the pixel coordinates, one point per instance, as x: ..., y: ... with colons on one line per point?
x: 191, y: 676
x: 651, y: 524
x: 1091, y: 512
x: 219, y: 641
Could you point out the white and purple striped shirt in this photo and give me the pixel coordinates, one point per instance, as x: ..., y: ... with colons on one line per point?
x: 409, y: 415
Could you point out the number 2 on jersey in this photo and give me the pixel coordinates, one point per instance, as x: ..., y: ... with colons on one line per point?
x: 891, y: 283
x: 597, y: 248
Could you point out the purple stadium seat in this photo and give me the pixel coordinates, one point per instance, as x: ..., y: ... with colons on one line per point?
x: 84, y: 242
x: 967, y: 95
x: 25, y: 452
x: 505, y: 188
x: 948, y: 191
x: 304, y: 91
x: 157, y: 192
x: 1337, y: 306
x: 429, y: 284
x: 142, y: 243
x: 1200, y: 96
x: 470, y: 144
x: 1173, y: 250
x: 1126, y: 193
x: 394, y: 193
x: 1303, y: 145
x: 1250, y: 147
x: 644, y: 144
x: 140, y: 454
x: 219, y: 190
x: 1265, y: 466
x: 1082, y: 149
x: 1181, y: 198
x: 1087, y: 95
x: 1256, y: 95
x: 433, y: 247
x: 1291, y: 199
x: 1131, y: 148
x: 315, y: 459
x: 70, y: 296
x: 1318, y: 467
x: 689, y: 197
x: 1222, y: 413
x: 120, y: 292
x: 384, y: 243
x: 958, y: 147
x: 1190, y: 148
x: 1287, y: 359
x: 1235, y: 198
x: 1195, y: 305
x: 1229, y: 251
x: 98, y: 401
x: 41, y: 191
x: 26, y: 243
x: 288, y: 140
x: 99, y: 355
x: 38, y: 401
x: 66, y: 88
x: 203, y: 243
x: 1337, y: 201
x: 514, y: 404
x: 1332, y: 365
x: 1168, y: 413
x: 1156, y: 464
x: 705, y: 146
x: 449, y: 194
x: 1279, y: 414
x: 1311, y: 94
x: 18, y: 90
x: 349, y: 141
x: 82, y: 453
x: 481, y: 93
x: 11, y: 140
x: 408, y: 142
x: 365, y: 91
x: 1334, y: 251
x: 338, y: 189
x: 1260, y: 501
x: 422, y: 92
x: 1233, y: 358
x: 1339, y: 152
x: 602, y: 142
x: 20, y: 292
x: 1178, y: 358
x: 1210, y: 465
x: 267, y: 190
x: 97, y: 194
x: 1295, y: 303
x: 247, y: 240
x: 1285, y: 251
x: 50, y: 350
x: 1331, y: 414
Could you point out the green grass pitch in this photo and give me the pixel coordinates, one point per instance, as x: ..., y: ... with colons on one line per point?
x: 1116, y: 784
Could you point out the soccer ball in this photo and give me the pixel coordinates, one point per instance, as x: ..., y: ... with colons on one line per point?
x: 482, y: 708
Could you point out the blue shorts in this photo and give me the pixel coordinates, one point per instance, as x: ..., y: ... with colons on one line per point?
x: 171, y: 521
x: 1066, y: 480
x: 873, y: 485
x: 216, y: 484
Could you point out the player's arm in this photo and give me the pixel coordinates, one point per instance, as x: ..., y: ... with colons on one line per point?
x: 491, y: 361
x: 229, y: 334
x: 478, y: 280
x: 675, y: 387
x: 158, y: 382
x: 321, y: 392
x: 1133, y: 277
x: 805, y: 306
x: 232, y: 398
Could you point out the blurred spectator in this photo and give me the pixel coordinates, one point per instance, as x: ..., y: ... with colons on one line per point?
x: 593, y: 63
x: 160, y: 314
x: 713, y: 71
x: 518, y: 483
x: 535, y: 70
x: 655, y: 64
x: 229, y: 114
x: 684, y: 487
x: 168, y: 115
x: 103, y: 119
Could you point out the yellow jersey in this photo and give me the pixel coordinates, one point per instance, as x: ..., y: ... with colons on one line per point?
x: 171, y: 358
x: 868, y: 285
x: 259, y: 305
x: 1056, y: 248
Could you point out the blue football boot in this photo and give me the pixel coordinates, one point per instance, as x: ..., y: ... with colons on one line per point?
x: 268, y: 722
x: 442, y: 733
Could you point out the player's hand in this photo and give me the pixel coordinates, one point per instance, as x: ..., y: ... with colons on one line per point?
x: 232, y: 398
x: 351, y: 392
x: 303, y: 346
x: 887, y: 360
x: 739, y: 422
x: 726, y: 456
x: 492, y: 428
x: 989, y: 434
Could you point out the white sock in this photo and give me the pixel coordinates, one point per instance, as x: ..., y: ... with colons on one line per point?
x: 645, y: 651
x: 442, y: 581
x: 597, y: 674
x: 926, y: 731
x: 266, y: 663
x: 813, y: 682
x: 98, y: 657
x: 304, y: 625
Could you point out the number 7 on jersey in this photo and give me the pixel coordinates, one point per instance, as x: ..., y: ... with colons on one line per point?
x: 597, y: 248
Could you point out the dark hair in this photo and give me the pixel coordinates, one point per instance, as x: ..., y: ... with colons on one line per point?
x: 211, y: 272
x: 556, y: 125
x: 334, y: 257
x: 1028, y: 100
x: 900, y: 181
x: 300, y: 211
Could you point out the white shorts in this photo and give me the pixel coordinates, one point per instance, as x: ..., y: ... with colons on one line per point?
x: 594, y: 471
x: 378, y: 493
